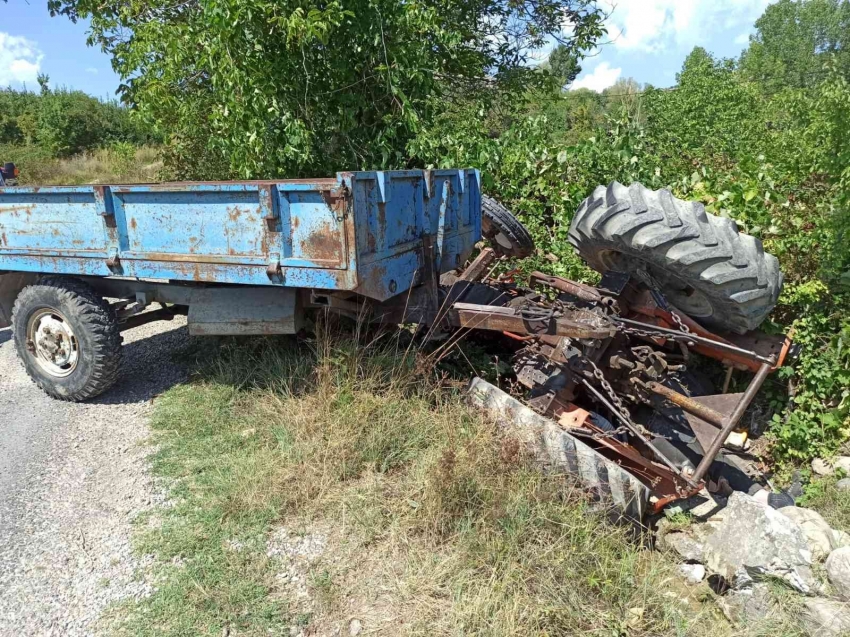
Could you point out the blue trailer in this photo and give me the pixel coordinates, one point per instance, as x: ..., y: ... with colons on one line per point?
x: 238, y: 257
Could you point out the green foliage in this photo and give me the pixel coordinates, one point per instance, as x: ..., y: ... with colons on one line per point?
x: 269, y: 88
x: 64, y: 122
x: 563, y: 63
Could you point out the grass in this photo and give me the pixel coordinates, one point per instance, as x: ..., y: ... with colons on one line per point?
x: 120, y: 163
x: 434, y: 522
x: 832, y: 503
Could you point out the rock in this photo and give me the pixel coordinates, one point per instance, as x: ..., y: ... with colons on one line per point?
x: 825, y: 617
x: 840, y: 539
x: 817, y: 531
x: 355, y: 627
x: 843, y: 463
x: 760, y: 541
x: 686, y: 546
x: 692, y: 573
x: 821, y: 467
x: 843, y: 484
x: 838, y: 571
x: 748, y: 605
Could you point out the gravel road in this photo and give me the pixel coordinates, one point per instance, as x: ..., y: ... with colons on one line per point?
x: 72, y: 478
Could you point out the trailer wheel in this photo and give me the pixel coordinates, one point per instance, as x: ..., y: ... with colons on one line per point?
x: 505, y: 232
x: 67, y: 338
x: 704, y: 266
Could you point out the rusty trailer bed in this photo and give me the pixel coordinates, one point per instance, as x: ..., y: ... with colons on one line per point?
x: 370, y: 233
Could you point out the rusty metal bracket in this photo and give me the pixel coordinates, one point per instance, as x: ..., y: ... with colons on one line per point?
x: 105, y: 206
x: 113, y: 261
x: 730, y: 423
x: 274, y: 271
x: 269, y: 206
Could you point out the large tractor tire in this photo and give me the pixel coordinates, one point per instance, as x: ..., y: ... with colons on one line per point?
x: 67, y: 338
x: 505, y: 232
x: 702, y: 264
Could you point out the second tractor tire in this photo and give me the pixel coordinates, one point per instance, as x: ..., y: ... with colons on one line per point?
x: 703, y: 265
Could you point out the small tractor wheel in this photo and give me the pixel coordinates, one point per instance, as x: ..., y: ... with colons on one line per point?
x: 702, y: 264
x: 506, y: 234
x: 67, y: 338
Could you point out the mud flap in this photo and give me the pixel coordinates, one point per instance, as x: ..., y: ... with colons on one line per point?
x: 244, y: 310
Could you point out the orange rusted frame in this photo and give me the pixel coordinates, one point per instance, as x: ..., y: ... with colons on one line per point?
x: 664, y: 318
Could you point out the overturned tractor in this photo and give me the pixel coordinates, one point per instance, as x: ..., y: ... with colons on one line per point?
x: 612, y: 386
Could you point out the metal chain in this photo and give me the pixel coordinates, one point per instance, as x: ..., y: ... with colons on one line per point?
x: 615, y: 399
x: 648, y: 280
x: 684, y: 337
x: 678, y: 321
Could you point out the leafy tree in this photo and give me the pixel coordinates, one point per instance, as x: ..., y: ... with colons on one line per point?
x: 272, y: 87
x: 710, y: 111
x: 794, y: 39
x: 563, y: 63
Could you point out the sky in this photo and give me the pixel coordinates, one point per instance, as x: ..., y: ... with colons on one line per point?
x: 647, y: 40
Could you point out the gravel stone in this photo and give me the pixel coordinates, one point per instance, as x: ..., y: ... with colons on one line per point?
x: 72, y: 479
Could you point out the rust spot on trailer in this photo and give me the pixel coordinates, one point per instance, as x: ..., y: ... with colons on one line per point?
x: 296, y: 221
x: 3, y: 240
x: 323, y: 244
x: 133, y: 224
x: 16, y: 211
x: 234, y: 213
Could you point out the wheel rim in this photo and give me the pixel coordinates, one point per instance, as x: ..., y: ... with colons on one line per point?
x: 689, y: 300
x: 52, y: 343
x: 492, y: 232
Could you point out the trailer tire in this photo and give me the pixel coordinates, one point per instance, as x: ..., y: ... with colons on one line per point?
x: 505, y: 232
x: 67, y: 337
x: 704, y: 266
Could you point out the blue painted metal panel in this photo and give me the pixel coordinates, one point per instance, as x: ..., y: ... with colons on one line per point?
x: 361, y: 231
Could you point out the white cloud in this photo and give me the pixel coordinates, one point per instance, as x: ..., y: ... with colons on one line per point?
x: 92, y: 70
x: 599, y: 79
x: 20, y: 60
x: 743, y: 38
x: 653, y: 26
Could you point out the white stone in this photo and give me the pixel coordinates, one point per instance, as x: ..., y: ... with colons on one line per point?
x: 826, y: 617
x: 817, y: 531
x: 821, y: 467
x: 761, y: 541
x: 355, y: 627
x: 838, y: 571
x: 685, y: 545
x: 692, y: 573
x: 843, y: 463
x: 843, y: 484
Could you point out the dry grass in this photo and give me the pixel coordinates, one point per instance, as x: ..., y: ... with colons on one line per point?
x: 122, y: 163
x: 435, y: 522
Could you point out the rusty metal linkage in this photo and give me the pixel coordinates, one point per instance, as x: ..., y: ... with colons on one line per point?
x: 732, y: 421
x: 569, y: 345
